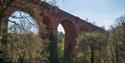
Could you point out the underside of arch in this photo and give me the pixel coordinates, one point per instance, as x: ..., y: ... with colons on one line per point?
x: 70, y: 39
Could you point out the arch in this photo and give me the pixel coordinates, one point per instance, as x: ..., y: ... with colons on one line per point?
x: 28, y: 7
x: 69, y: 42
x: 70, y: 39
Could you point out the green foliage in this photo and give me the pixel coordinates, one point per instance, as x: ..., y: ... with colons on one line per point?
x: 53, y: 48
x: 102, y: 47
x: 61, y: 47
x: 24, y: 49
x: 91, y: 47
x: 117, y: 41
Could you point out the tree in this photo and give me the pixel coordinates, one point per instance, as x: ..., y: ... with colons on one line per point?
x: 91, y: 47
x: 117, y: 41
x: 61, y: 38
x: 22, y: 47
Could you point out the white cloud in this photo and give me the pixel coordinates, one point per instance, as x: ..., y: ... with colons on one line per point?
x: 105, y: 22
x: 60, y: 28
x: 102, y: 1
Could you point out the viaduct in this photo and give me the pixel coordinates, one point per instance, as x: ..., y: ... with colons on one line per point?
x: 51, y: 17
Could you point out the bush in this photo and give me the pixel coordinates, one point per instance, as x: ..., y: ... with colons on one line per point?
x: 26, y: 48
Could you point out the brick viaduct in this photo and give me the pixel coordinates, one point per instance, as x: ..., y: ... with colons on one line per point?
x: 52, y: 16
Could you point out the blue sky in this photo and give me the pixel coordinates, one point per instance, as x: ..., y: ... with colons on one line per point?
x: 100, y: 12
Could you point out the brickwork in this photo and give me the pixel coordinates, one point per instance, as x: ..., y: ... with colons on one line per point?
x: 50, y: 17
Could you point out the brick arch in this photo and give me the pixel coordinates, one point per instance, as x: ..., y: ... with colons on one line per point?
x: 29, y: 8
x: 71, y: 33
x: 70, y: 38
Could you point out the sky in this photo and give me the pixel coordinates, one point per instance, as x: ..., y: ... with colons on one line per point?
x: 100, y: 12
x: 24, y: 20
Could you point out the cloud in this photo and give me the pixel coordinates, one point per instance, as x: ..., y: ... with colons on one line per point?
x: 60, y: 28
x: 105, y: 22
x: 102, y: 1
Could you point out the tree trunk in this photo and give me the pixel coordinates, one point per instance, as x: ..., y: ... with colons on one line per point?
x: 117, y: 54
